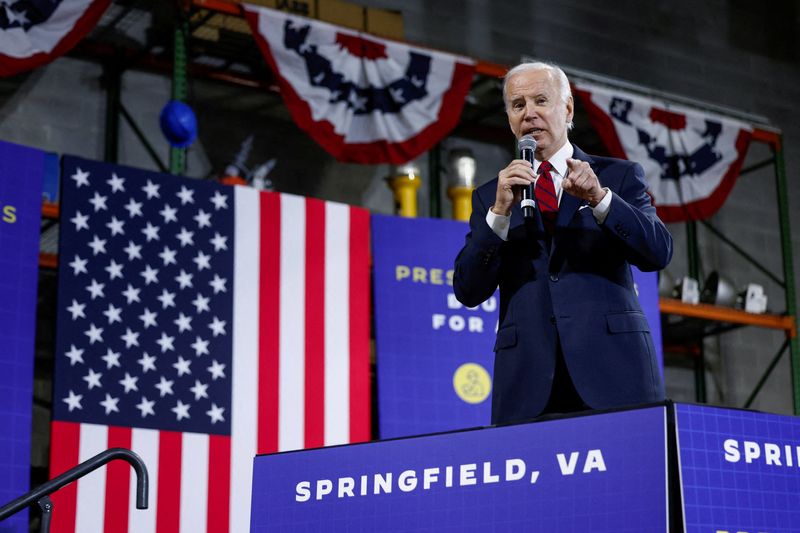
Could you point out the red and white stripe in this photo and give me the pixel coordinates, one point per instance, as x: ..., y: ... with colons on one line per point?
x: 300, y: 378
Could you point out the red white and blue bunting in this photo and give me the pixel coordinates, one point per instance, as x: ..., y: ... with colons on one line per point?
x: 363, y: 99
x: 33, y: 32
x: 691, y: 159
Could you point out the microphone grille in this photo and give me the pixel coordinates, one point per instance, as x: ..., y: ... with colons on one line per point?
x: 527, y: 142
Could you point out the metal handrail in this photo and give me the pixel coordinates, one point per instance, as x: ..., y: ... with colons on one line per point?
x: 43, y: 491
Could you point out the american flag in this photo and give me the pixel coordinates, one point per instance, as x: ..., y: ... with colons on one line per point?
x: 199, y: 325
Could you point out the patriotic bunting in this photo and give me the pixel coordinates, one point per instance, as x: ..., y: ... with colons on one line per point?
x: 363, y: 99
x: 33, y: 33
x: 691, y: 159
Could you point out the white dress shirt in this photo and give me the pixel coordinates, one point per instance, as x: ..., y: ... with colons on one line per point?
x: 500, y: 223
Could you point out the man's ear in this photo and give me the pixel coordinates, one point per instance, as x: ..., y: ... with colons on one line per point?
x: 570, y: 109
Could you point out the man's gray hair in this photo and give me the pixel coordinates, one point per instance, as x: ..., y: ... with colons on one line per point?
x: 564, y: 89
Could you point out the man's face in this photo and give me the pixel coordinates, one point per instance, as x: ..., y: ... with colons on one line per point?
x: 534, y: 106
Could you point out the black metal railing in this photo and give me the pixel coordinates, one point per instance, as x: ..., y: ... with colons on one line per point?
x: 41, y: 495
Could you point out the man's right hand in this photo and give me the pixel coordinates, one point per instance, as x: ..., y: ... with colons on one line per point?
x: 510, y: 180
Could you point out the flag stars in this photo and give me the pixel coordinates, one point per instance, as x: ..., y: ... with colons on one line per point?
x: 186, y: 195
x: 81, y: 177
x: 167, y: 299
x: 202, y: 260
x: 164, y: 386
x: 151, y: 232
x: 181, y: 410
x: 134, y: 251
x: 116, y: 226
x: 96, y: 289
x: 113, y: 314
x: 183, y: 322
x: 219, y: 200
x: 201, y: 303
x: 217, y: 370
x: 200, y: 347
x: 184, y: 279
x: 182, y: 366
x: 131, y: 338
x: 148, y: 318
x: 151, y: 190
x: 186, y: 237
x: 129, y: 383
x: 131, y: 294
x: 168, y: 256
x: 110, y: 404
x: 134, y: 208
x: 146, y: 407
x: 94, y: 333
x: 114, y: 270
x: 169, y: 213
x: 81, y: 221
x: 98, y: 245
x: 98, y: 201
x: 217, y: 326
x: 74, y: 354
x: 77, y: 310
x: 218, y: 284
x: 203, y: 219
x: 78, y: 266
x: 215, y: 413
x: 199, y: 390
x: 116, y: 183
x: 111, y: 358
x: 73, y: 401
x: 149, y: 274
x: 148, y: 362
x: 219, y: 242
x: 92, y: 379
x: 166, y: 342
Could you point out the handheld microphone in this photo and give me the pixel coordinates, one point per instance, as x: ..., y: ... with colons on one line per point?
x: 527, y: 146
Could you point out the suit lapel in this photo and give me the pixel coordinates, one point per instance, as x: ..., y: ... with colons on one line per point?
x: 569, y: 206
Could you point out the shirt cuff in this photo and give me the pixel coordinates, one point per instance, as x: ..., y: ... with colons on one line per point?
x: 499, y: 223
x: 600, y: 211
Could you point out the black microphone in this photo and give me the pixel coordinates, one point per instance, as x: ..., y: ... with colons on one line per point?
x: 527, y: 146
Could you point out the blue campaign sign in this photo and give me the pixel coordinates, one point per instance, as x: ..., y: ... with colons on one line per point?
x: 434, y: 357
x: 21, y: 172
x: 600, y: 473
x: 740, y: 470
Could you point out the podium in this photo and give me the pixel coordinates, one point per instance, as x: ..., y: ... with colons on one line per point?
x: 660, y: 467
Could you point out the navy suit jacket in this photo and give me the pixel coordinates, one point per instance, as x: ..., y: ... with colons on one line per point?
x: 576, y: 287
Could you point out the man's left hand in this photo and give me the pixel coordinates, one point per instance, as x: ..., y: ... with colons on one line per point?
x: 582, y: 182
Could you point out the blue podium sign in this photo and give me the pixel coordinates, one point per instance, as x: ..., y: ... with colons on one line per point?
x: 600, y: 473
x: 740, y: 470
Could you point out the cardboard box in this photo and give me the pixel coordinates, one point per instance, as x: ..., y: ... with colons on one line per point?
x: 385, y: 23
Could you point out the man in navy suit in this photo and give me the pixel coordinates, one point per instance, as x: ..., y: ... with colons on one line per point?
x: 571, y: 334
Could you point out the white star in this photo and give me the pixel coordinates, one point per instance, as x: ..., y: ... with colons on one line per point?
x: 148, y: 318
x: 169, y: 213
x: 186, y: 195
x: 182, y: 366
x: 201, y: 303
x: 110, y: 403
x: 397, y: 95
x: 94, y: 333
x: 199, y: 390
x: 129, y: 382
x: 134, y: 208
x: 131, y: 338
x: 96, y: 289
x: 73, y: 401
x: 146, y: 407
x: 80, y: 221
x: 184, y: 280
x: 151, y: 189
x: 78, y: 266
x: 202, y: 260
x: 98, y: 201
x: 167, y: 299
x: 131, y: 294
x: 92, y: 379
x: 219, y: 242
x: 74, y: 354
x: 186, y: 237
x: 203, y: 219
x: 114, y: 270
x: 81, y: 178
x: 166, y: 342
x: 200, y: 346
x: 114, y: 314
x: 116, y: 226
x: 217, y: 326
x: 117, y: 184
x: 181, y: 410
x: 151, y: 232
x: 219, y: 200
x: 216, y: 413
x: 134, y: 251
x: 165, y: 386
x: 77, y: 309
x: 98, y: 245
x: 184, y: 323
x: 111, y: 359
x: 20, y: 17
x: 168, y: 256
x: 149, y: 274
x: 217, y: 370
x: 218, y: 284
x: 148, y: 362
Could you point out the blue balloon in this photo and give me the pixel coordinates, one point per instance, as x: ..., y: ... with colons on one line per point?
x: 178, y: 123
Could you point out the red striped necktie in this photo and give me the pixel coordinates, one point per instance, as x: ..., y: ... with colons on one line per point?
x: 546, y: 197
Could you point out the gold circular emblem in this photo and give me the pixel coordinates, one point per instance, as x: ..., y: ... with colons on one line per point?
x: 472, y: 383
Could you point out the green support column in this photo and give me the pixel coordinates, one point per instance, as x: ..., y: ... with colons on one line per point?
x: 177, y: 156
x: 112, y: 79
x: 694, y: 272
x: 788, y: 267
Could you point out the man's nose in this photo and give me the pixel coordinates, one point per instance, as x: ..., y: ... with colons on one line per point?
x: 530, y: 111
